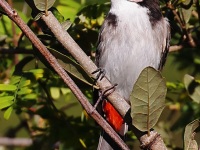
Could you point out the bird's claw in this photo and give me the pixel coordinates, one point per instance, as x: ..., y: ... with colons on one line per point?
x: 104, y: 94
x: 100, y: 74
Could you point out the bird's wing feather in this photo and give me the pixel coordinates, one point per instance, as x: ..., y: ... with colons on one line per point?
x: 165, y: 46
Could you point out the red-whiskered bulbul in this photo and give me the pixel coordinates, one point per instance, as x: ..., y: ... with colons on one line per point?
x: 133, y: 36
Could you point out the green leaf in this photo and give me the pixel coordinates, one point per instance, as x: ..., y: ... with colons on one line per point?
x: 82, y: 143
x: 148, y: 99
x: 24, y: 90
x: 55, y: 92
x: 7, y: 113
x: 186, y: 10
x: 68, y: 7
x: 72, y: 67
x: 192, y: 87
x: 38, y: 73
x: 30, y: 96
x: 7, y: 87
x: 42, y: 5
x: 15, y: 79
x: 57, y: 14
x: 189, y: 142
x: 24, y: 82
x: 65, y: 91
x: 6, y: 101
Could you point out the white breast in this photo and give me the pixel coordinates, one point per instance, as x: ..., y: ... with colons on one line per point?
x: 125, y: 50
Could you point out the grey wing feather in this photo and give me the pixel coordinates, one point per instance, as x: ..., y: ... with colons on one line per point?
x: 165, y: 48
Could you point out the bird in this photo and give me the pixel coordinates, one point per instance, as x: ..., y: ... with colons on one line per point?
x: 133, y: 36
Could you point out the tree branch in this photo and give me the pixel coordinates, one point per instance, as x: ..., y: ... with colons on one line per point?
x: 63, y: 37
x: 175, y: 48
x: 15, y: 141
x: 71, y: 46
x: 182, y: 24
x: 12, y: 14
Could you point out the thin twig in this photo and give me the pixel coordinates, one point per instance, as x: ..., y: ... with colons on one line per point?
x: 53, y: 62
x: 182, y: 24
x: 175, y: 48
x: 22, y: 142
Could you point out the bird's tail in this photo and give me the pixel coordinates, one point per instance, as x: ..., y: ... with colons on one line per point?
x: 107, y: 143
x: 117, y: 122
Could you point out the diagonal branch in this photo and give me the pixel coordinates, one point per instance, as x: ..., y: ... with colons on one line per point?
x: 63, y: 37
x: 22, y: 142
x: 117, y: 101
x: 12, y: 14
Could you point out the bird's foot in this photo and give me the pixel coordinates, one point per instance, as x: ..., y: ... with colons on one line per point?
x: 104, y: 94
x: 100, y: 74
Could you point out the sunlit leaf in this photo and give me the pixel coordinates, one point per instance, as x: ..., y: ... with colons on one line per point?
x: 6, y: 101
x: 189, y: 142
x: 38, y: 73
x: 7, y: 87
x: 24, y: 82
x: 68, y: 7
x: 147, y: 99
x: 7, y: 113
x: 15, y: 79
x: 30, y: 96
x: 55, y: 92
x: 44, y: 4
x: 24, y: 90
x: 82, y: 143
x: 57, y: 14
x: 192, y: 87
x: 65, y: 91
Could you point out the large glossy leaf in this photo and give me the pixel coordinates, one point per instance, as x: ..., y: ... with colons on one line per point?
x: 44, y: 4
x: 147, y: 99
x: 192, y: 87
x: 189, y: 142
